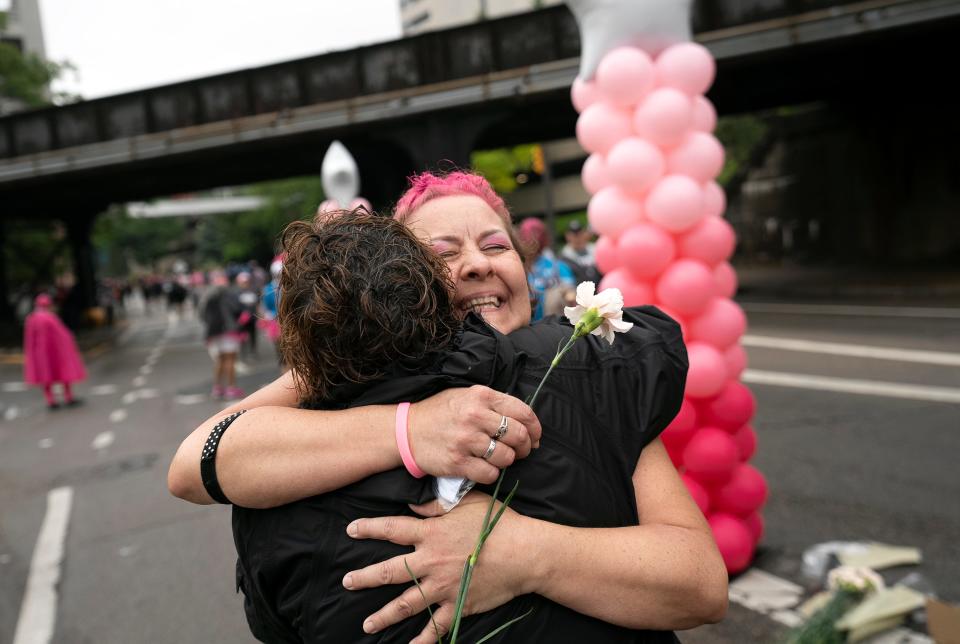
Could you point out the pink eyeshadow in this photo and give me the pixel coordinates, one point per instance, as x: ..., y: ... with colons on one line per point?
x: 498, y: 238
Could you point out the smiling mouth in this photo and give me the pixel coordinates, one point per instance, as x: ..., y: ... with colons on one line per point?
x: 480, y: 304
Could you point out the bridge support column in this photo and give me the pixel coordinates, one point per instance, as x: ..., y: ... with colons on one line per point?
x: 79, y: 228
x: 6, y: 311
x: 441, y: 143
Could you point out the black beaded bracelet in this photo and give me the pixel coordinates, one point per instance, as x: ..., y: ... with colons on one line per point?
x: 208, y: 459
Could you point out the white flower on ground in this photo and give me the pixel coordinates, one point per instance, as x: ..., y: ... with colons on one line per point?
x: 858, y: 579
x: 597, y: 313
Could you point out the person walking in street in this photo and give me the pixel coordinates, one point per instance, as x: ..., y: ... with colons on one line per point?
x: 50, y: 353
x: 249, y: 300
x: 222, y: 316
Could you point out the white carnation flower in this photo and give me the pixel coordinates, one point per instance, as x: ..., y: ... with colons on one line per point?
x: 597, y: 313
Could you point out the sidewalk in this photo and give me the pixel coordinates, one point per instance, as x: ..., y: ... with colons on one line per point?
x: 847, y: 285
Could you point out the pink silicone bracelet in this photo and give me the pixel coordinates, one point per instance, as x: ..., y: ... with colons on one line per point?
x: 403, y: 442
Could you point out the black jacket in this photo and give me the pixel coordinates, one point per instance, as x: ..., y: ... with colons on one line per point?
x: 601, y: 406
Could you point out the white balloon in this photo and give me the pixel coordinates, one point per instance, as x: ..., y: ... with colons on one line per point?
x: 340, y: 175
x: 651, y: 25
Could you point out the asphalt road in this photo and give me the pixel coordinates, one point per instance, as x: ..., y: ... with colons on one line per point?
x: 140, y: 566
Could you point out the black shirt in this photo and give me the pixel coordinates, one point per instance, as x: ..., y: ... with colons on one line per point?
x: 599, y: 409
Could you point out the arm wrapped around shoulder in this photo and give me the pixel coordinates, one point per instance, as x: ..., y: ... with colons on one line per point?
x: 666, y: 373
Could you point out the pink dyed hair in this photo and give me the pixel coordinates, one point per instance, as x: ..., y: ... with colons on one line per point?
x: 427, y: 186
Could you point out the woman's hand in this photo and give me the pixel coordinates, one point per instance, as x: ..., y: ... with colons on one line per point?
x: 450, y: 431
x: 442, y: 544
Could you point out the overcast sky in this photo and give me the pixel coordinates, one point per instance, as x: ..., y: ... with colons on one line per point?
x: 123, y: 45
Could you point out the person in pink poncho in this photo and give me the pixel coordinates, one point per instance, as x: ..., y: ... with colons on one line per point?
x: 50, y: 353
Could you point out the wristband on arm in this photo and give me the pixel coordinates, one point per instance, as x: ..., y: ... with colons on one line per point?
x: 208, y: 459
x: 403, y: 441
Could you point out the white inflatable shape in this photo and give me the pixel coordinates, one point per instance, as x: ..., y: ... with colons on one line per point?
x: 651, y: 25
x: 339, y: 175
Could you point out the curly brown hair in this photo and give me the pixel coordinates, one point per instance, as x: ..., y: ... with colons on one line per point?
x: 359, y: 293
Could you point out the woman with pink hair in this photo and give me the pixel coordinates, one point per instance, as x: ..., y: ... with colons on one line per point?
x: 623, y: 580
x: 50, y: 353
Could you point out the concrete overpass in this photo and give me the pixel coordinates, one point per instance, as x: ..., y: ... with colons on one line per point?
x: 411, y: 103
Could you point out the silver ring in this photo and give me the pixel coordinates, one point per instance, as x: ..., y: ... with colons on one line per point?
x: 492, y: 446
x: 502, y: 429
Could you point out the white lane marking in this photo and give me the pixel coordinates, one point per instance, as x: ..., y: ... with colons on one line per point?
x: 103, y: 390
x: 139, y: 381
x: 129, y: 397
x: 126, y: 551
x: 191, y: 399
x: 853, y: 350
x: 851, y: 386
x: 151, y: 361
x: 852, y: 310
x: 38, y: 613
x: 145, y: 394
x: 103, y: 440
x: 11, y: 412
x: 146, y: 370
x: 45, y: 443
x: 11, y: 387
x: 118, y: 415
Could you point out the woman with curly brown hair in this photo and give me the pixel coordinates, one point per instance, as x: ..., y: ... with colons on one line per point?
x: 628, y: 549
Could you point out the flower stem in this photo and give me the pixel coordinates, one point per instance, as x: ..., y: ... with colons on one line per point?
x: 553, y: 363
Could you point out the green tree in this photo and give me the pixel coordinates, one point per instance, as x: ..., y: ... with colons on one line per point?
x: 743, y: 137
x: 502, y: 166
x: 27, y: 77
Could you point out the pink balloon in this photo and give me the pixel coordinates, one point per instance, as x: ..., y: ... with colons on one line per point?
x: 699, y: 493
x: 635, y: 164
x: 707, y: 372
x: 612, y: 211
x: 721, y: 324
x: 635, y: 292
x: 699, y: 156
x: 711, y: 241
x: 681, y: 429
x: 733, y: 407
x: 743, y: 494
x: 688, y: 67
x: 675, y: 454
x: 583, y: 94
x: 755, y: 523
x: 328, y: 206
x: 736, y: 359
x: 686, y: 287
x: 645, y: 250
x: 360, y: 202
x: 746, y: 440
x: 714, y: 199
x: 664, y: 116
x: 704, y: 114
x: 601, y: 125
x: 675, y: 203
x: 625, y: 75
x: 734, y: 540
x: 605, y: 254
x: 725, y: 279
x: 594, y: 175
x: 711, y: 455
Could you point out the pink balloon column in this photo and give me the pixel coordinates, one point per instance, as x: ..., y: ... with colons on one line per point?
x: 663, y: 241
